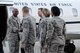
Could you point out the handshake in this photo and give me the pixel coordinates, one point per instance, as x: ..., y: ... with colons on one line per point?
x: 45, y: 48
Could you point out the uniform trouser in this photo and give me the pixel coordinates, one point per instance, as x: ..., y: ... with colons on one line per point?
x: 29, y: 48
x: 22, y: 50
x: 1, y: 48
x: 61, y: 44
x: 14, y: 46
x: 43, y: 50
x: 61, y: 49
x: 53, y: 48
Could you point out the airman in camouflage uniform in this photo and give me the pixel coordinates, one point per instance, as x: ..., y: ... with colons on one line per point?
x: 44, y: 19
x: 40, y: 14
x: 55, y: 35
x: 29, y: 31
x: 43, y: 33
x: 13, y: 30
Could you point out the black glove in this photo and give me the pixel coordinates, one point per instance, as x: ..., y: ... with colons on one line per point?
x: 22, y: 50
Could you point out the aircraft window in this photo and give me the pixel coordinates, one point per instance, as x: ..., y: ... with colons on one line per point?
x: 75, y: 13
x: 61, y: 10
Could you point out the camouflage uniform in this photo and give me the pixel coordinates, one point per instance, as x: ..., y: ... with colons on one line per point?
x: 56, y: 28
x: 38, y: 29
x: 29, y: 32
x: 13, y: 30
x: 61, y: 32
x: 52, y: 34
x: 42, y: 33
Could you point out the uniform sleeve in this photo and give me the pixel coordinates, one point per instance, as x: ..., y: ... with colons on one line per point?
x: 64, y: 31
x: 43, y: 33
x: 19, y: 24
x: 38, y: 30
x: 11, y: 26
x: 50, y: 31
x: 25, y: 31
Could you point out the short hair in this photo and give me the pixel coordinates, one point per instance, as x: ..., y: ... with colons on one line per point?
x: 14, y: 9
x: 40, y: 9
x: 46, y: 12
x: 55, y: 10
x: 25, y: 9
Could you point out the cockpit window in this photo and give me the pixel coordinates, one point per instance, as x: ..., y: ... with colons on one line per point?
x: 61, y: 12
x: 75, y: 12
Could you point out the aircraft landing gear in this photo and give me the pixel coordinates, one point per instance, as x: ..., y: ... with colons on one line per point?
x: 69, y: 47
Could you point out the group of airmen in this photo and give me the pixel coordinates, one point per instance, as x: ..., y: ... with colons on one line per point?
x: 50, y: 31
